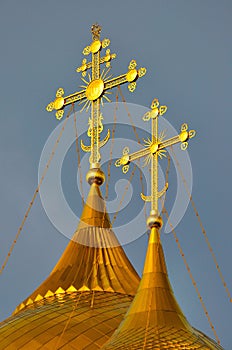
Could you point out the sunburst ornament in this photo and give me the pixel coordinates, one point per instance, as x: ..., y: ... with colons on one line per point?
x: 96, y: 89
x: 155, y: 148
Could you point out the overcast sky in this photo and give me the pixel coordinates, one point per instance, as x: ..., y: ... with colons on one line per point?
x: 186, y: 48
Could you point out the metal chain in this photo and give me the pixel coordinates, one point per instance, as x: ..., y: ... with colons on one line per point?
x: 78, y: 159
x: 202, y: 227
x: 35, y: 193
x: 96, y: 262
x: 139, y: 142
x: 191, y: 276
x: 166, y: 181
x: 111, y: 149
x: 124, y: 193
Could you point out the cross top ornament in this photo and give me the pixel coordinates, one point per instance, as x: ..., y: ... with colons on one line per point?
x: 154, y: 149
x: 96, y: 88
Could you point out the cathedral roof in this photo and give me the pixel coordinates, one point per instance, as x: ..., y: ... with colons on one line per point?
x: 154, y: 319
x: 86, y: 295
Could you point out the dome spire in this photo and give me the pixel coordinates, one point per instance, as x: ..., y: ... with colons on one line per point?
x: 84, y: 298
x: 154, y: 319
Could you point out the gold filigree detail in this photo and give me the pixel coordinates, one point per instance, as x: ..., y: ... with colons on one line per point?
x: 118, y: 163
x: 60, y: 92
x: 155, y: 110
x: 132, y: 65
x: 184, y: 127
x: 126, y: 150
x: 125, y: 169
x: 86, y: 51
x: 50, y: 107
x: 192, y: 133
x: 155, y: 103
x: 95, y: 89
x: 142, y: 71
x: 59, y: 114
x: 155, y: 148
x: 132, y: 86
x: 184, y: 146
x: 105, y: 43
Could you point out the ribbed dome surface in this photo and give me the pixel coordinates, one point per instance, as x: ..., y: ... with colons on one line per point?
x: 86, y: 295
x: 154, y: 319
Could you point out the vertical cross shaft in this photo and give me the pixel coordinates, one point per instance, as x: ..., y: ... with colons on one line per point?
x: 95, y: 108
x: 154, y: 168
x: 94, y: 91
x: 154, y: 149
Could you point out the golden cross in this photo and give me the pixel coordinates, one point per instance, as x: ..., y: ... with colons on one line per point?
x: 155, y: 148
x: 95, y: 89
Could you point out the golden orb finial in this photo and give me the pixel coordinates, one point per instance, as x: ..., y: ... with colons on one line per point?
x: 95, y: 175
x: 154, y: 220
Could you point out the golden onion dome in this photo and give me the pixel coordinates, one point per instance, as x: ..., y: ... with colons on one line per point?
x: 154, y: 319
x: 83, y: 300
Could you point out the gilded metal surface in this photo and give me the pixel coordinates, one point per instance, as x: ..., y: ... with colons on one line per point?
x: 87, y: 326
x: 154, y: 319
x: 95, y: 46
x: 86, y: 294
x: 154, y: 149
x: 93, y: 244
x: 96, y: 87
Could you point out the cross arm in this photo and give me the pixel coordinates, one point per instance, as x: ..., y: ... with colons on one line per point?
x: 87, y: 65
x: 182, y: 138
x: 156, y: 147
x: 127, y: 158
x: 61, y: 101
x: 130, y: 77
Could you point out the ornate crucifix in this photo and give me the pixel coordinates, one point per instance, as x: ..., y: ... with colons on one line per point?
x: 95, y: 89
x: 155, y: 148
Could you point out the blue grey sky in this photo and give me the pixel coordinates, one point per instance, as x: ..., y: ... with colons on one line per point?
x: 186, y: 48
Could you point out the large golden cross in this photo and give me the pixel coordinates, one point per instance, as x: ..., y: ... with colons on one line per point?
x: 155, y: 148
x: 95, y: 89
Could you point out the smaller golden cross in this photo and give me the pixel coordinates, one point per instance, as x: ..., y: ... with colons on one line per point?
x: 155, y: 148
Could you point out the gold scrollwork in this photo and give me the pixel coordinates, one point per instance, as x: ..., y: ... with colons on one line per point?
x: 184, y: 127
x: 107, y: 56
x: 192, y: 133
x: 86, y: 51
x: 118, y: 163
x: 59, y: 114
x: 142, y: 71
x: 83, y: 67
x: 50, y: 107
x: 162, y: 110
x: 60, y: 92
x: 184, y: 146
x: 147, y: 116
x: 132, y: 86
x: 155, y: 103
x: 132, y: 65
x: 125, y: 169
x: 105, y: 43
x: 125, y: 150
